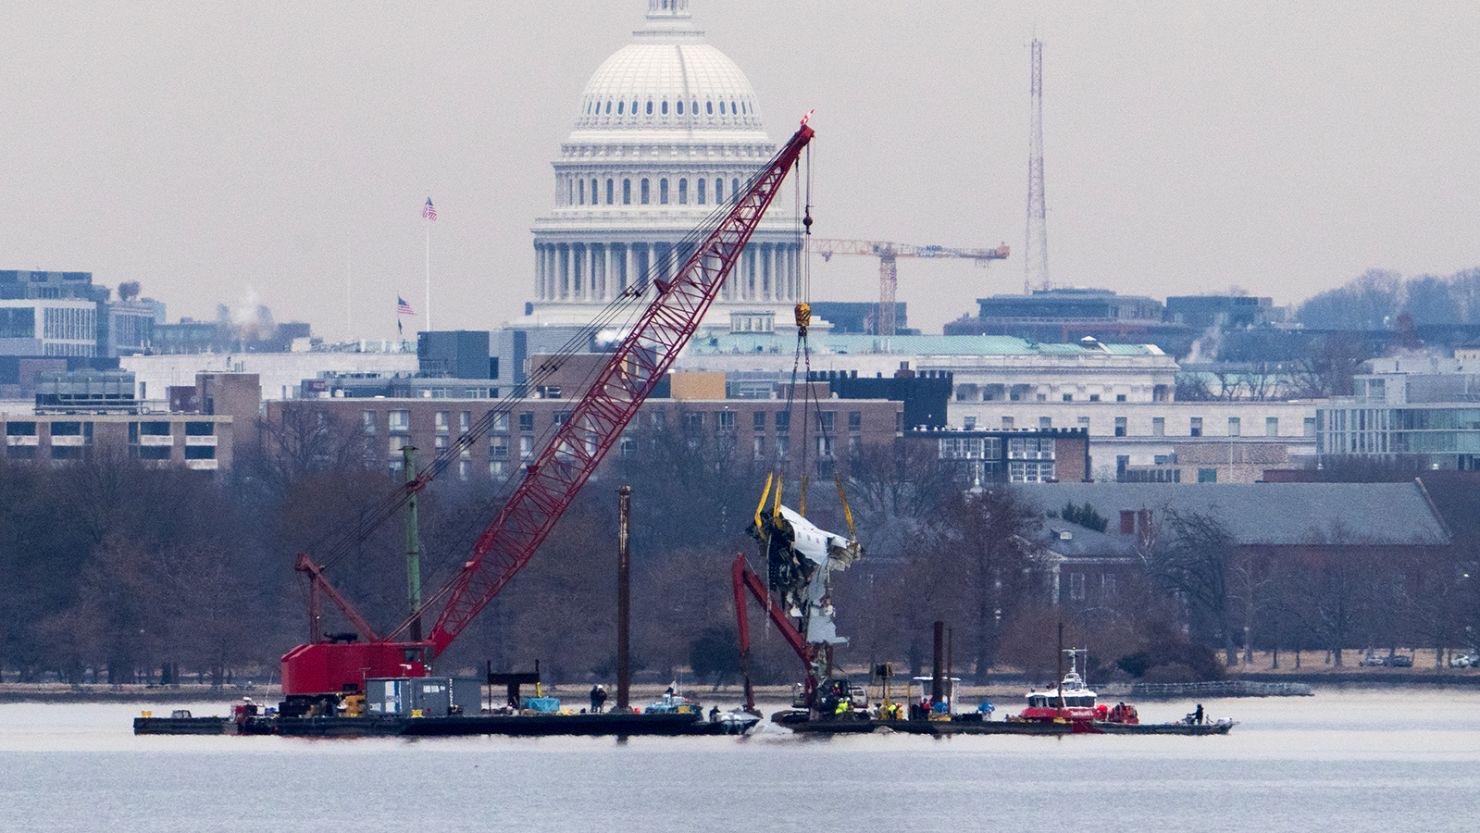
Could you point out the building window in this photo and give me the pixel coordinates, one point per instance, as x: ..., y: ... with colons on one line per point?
x: 1076, y: 587
x: 440, y: 442
x: 663, y: 191
x: 200, y: 429
x: 646, y: 192
x: 626, y: 447
x: 969, y: 423
x: 699, y: 185
x: 1233, y: 427
x: 400, y: 420
x: 609, y: 185
x: 735, y: 186
x: 726, y: 420
x: 498, y: 448
x: 1158, y: 426
x: 758, y: 420
x: 1207, y: 475
x: 561, y: 417
x: 683, y: 191
x: 200, y: 452
x: 1271, y: 426
x: 501, y: 423
x: 442, y: 422
x: 153, y: 452
x: 758, y: 447
x: 464, y: 420
x: 1083, y: 422
x: 1119, y: 397
x: 1007, y: 423
x: 582, y: 192
x: 526, y: 447
x: 626, y: 192
x: 496, y: 469
x: 1120, y: 426
x: 526, y: 421
x: 829, y: 420
x: 1127, y: 522
x: 368, y: 422
x: 719, y: 190
x: 783, y: 422
x: 693, y: 421
x: 1107, y: 586
x: 1028, y: 471
x: 1310, y: 426
x: 1045, y: 423
x: 1094, y: 397
x: 396, y: 443
x: 1195, y: 428
x: 464, y: 468
x: 1068, y: 397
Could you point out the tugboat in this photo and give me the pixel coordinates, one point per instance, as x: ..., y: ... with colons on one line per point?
x: 1073, y: 705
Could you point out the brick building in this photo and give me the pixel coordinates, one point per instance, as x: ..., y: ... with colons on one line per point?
x: 752, y: 429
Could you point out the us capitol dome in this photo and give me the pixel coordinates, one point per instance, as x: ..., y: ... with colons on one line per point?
x: 667, y: 130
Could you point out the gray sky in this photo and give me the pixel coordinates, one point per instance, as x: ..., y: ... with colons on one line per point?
x: 229, y: 151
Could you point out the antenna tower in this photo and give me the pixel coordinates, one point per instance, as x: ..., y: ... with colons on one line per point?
x: 1035, y: 247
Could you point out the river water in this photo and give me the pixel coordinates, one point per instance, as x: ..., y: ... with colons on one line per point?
x: 1404, y: 760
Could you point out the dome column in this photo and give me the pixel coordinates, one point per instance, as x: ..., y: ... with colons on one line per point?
x: 564, y: 270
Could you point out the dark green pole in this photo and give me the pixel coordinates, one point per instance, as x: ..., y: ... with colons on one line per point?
x: 413, y: 544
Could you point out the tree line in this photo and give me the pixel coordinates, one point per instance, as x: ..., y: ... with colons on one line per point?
x: 117, y: 572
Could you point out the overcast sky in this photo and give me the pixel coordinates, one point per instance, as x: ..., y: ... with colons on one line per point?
x: 222, y: 152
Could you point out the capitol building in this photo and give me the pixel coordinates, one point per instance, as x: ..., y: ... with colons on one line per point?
x: 667, y: 130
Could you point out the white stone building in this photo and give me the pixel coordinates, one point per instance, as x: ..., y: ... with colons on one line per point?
x: 1221, y: 441
x: 667, y: 131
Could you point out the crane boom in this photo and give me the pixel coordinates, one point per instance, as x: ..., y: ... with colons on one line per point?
x: 888, y: 254
x: 575, y: 450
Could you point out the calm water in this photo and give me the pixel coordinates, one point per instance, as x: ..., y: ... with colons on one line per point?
x: 1338, y: 761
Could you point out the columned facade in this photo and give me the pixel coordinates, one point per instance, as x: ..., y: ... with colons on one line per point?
x: 667, y: 131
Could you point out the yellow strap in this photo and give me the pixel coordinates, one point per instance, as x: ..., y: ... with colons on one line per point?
x: 762, y: 503
x: 847, y: 510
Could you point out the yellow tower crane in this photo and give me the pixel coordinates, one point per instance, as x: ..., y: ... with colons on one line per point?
x: 888, y: 255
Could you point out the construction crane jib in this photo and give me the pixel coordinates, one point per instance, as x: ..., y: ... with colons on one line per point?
x: 551, y: 481
x: 885, y: 323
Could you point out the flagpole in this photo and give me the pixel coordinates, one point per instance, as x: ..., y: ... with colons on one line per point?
x: 428, y: 222
x: 349, y: 293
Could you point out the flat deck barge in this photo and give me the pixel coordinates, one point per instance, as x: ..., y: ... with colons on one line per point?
x: 553, y: 725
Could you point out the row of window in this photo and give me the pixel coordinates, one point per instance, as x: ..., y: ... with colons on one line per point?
x: 1158, y: 425
x: 608, y: 106
x: 148, y: 428
x: 575, y: 191
x: 399, y: 421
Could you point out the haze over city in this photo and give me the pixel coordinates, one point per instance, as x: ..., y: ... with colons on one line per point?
x: 222, y: 153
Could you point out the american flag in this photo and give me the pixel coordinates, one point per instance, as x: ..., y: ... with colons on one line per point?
x: 403, y: 308
x: 429, y: 211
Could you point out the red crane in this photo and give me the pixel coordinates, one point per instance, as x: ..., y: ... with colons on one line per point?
x: 331, y: 667
x: 743, y: 579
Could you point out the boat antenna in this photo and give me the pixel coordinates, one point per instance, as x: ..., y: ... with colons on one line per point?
x: 1060, y: 676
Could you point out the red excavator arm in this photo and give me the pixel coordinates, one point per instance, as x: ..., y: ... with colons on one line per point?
x: 552, y: 480
x: 743, y: 578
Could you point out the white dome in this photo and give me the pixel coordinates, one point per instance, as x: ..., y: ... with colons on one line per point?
x: 666, y: 133
x: 685, y: 85
x: 669, y: 78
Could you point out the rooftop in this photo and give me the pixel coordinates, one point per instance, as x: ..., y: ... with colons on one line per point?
x: 1271, y: 514
x: 912, y: 345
